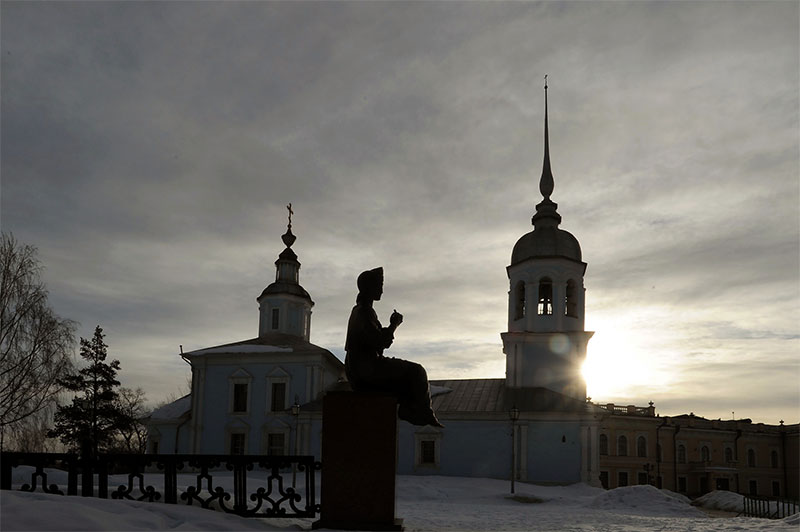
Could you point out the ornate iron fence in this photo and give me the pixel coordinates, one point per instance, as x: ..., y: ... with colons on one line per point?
x: 271, y: 496
x: 769, y: 507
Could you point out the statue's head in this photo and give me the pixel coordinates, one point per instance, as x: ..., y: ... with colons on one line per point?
x: 370, y: 284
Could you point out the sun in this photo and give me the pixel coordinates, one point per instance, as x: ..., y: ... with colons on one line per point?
x: 614, y: 364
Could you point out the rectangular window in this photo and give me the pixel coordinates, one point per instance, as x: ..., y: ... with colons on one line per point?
x: 240, y: 397
x: 278, y: 397
x: 237, y: 443
x: 622, y: 479
x: 682, y: 484
x: 275, y: 443
x: 642, y: 479
x: 154, y: 447
x: 427, y: 452
x: 604, y: 479
x: 276, y: 314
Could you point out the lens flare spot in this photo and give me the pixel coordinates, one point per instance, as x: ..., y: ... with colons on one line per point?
x: 560, y: 344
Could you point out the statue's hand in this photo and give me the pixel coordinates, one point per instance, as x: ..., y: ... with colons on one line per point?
x: 396, y: 318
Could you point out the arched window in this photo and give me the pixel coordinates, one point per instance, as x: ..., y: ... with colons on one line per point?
x: 641, y: 447
x: 751, y: 458
x: 681, y: 454
x: 519, y: 300
x: 571, y: 300
x: 603, y: 445
x: 728, y: 454
x: 773, y: 458
x: 705, y: 454
x: 545, y: 307
x: 622, y: 446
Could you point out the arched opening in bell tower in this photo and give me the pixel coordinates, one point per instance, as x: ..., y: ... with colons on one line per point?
x: 519, y: 295
x: 571, y: 300
x: 545, y: 306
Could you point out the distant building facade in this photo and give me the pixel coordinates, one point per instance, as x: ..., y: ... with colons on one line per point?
x: 692, y: 455
x: 264, y: 395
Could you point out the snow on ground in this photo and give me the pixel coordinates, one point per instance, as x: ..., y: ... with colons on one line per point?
x: 424, y: 502
x: 721, y: 500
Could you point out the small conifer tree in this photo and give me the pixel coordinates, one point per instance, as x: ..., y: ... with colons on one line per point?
x: 93, y: 417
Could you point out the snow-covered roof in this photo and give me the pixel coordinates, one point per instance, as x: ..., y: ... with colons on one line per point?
x: 173, y: 410
x: 243, y: 349
x: 267, y: 344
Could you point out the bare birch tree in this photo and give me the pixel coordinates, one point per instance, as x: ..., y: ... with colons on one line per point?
x: 36, y: 345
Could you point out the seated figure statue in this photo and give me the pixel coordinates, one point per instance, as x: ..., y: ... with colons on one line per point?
x: 368, y: 370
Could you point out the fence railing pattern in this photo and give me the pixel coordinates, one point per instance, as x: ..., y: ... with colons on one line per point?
x: 270, y: 495
x: 769, y: 507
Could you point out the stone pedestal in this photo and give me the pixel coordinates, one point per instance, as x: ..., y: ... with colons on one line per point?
x: 359, y: 462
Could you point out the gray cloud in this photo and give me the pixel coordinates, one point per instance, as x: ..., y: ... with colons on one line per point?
x: 148, y: 150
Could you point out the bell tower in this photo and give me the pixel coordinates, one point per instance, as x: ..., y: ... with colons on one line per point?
x: 545, y: 344
x: 284, y: 306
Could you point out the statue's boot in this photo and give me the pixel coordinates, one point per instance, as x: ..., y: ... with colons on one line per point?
x: 419, y: 417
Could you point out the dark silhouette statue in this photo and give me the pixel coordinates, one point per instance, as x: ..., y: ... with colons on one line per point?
x: 368, y: 370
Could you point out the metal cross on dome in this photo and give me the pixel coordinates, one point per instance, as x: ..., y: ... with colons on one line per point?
x: 291, y: 212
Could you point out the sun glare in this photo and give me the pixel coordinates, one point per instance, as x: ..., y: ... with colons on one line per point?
x: 614, y: 364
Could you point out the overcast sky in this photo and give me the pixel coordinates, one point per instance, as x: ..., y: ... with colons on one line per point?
x: 149, y: 150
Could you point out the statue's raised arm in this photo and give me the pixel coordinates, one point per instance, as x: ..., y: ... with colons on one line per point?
x: 367, y: 368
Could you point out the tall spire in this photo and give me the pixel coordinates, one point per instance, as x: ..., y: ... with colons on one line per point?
x: 546, y: 214
x: 546, y: 182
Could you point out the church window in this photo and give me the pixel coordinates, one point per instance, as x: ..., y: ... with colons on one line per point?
x: 237, y: 443
x: 427, y: 452
x: 728, y: 454
x: 681, y: 454
x: 276, y: 443
x: 641, y: 447
x: 622, y: 446
x: 545, y: 307
x: 705, y: 454
x: 240, y: 397
x: 278, y: 403
x: 603, y: 445
x: 276, y: 315
x: 571, y: 300
x: 773, y: 458
x: 751, y: 458
x: 519, y: 295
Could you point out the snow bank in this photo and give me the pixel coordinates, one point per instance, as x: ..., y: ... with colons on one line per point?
x: 645, y: 500
x: 721, y: 500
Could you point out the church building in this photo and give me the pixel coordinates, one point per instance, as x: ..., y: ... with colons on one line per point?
x: 264, y: 395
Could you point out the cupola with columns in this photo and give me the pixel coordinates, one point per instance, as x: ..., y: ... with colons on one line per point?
x: 284, y: 306
x: 545, y: 345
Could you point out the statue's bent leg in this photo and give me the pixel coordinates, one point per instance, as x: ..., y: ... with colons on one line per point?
x: 409, y: 381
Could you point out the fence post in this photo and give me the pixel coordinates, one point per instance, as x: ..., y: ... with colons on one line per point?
x: 5, y: 475
x: 170, y: 481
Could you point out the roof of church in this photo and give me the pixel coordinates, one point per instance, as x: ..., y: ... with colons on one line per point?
x: 491, y: 395
x: 174, y: 410
x: 268, y: 343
